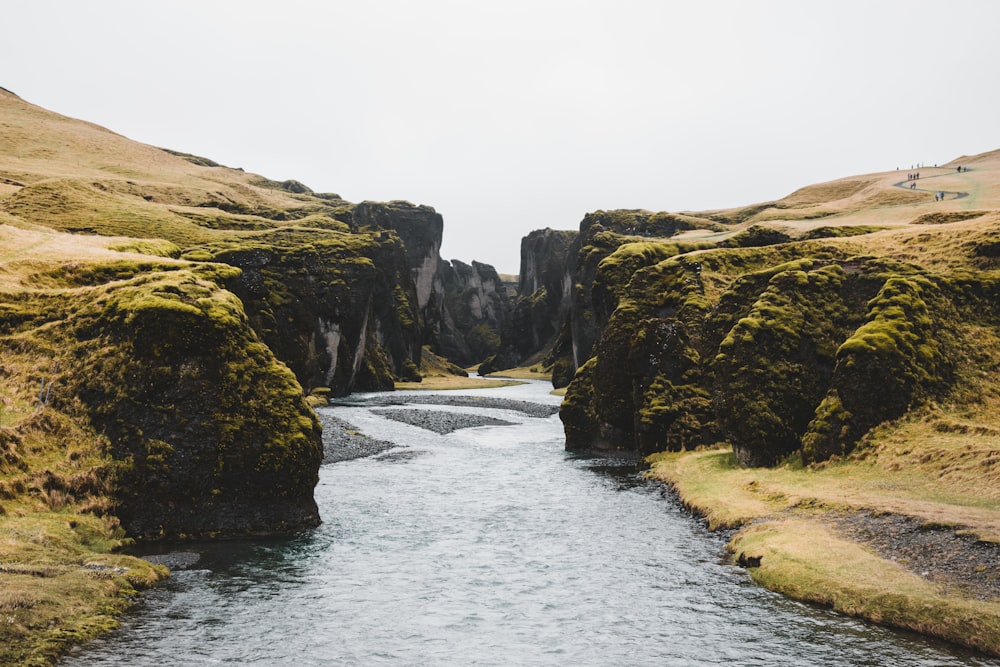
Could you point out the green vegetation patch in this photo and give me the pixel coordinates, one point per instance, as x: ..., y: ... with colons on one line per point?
x: 840, y: 231
x: 902, y: 354
x: 773, y: 367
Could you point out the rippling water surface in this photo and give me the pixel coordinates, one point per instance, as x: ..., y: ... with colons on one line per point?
x: 489, y: 546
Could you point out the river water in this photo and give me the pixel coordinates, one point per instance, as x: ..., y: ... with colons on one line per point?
x: 489, y: 546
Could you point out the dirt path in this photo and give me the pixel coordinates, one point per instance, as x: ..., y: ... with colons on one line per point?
x: 909, y: 185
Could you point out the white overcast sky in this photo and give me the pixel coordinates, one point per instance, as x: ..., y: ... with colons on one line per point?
x: 511, y: 115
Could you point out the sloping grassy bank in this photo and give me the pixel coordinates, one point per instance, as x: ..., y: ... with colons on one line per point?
x: 61, y: 582
x: 934, y: 467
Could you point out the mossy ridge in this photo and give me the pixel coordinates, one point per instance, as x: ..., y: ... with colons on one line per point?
x: 182, y: 215
x: 601, y: 234
x: 903, y: 354
x: 120, y: 349
x: 80, y: 206
x: 686, y: 293
x: 756, y: 236
x: 705, y: 316
x: 774, y: 365
x: 632, y: 351
x: 616, y: 269
x: 201, y: 406
x: 354, y: 283
x: 840, y: 232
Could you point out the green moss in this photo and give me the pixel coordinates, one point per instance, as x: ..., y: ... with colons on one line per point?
x: 774, y: 366
x: 149, y: 247
x: 840, y: 232
x: 756, y: 236
x: 577, y: 409
x: 903, y: 354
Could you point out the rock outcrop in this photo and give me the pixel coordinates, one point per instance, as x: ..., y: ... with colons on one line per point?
x: 206, y: 432
x: 462, y: 308
x: 794, y: 348
x: 591, y: 301
x: 474, y: 310
x: 544, y: 290
x: 338, y: 308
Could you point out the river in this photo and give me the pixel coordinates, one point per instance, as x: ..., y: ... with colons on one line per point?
x: 489, y: 546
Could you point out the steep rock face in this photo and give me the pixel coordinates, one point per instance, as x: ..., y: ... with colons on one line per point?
x: 759, y: 347
x: 421, y: 229
x: 591, y: 305
x: 462, y: 307
x: 338, y: 308
x: 475, y: 309
x: 544, y: 289
x: 208, y: 432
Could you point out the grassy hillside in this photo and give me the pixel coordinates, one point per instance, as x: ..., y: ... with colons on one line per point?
x: 106, y: 336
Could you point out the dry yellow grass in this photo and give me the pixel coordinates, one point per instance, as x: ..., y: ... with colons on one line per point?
x: 536, y: 372
x: 876, y: 199
x: 450, y: 382
x: 855, y: 582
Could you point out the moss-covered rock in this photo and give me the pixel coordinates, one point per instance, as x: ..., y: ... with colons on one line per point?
x: 774, y: 366
x: 902, y: 354
x: 323, y: 301
x: 777, y: 348
x: 209, y: 433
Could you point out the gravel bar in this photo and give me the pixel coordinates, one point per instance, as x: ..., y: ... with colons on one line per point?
x: 439, y: 421
x: 527, y: 408
x: 941, y: 554
x: 343, y: 442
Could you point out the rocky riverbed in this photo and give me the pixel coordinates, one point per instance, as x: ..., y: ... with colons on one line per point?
x: 342, y: 441
x: 524, y: 407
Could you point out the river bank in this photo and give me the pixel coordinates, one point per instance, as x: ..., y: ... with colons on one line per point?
x: 908, y: 546
x: 492, y: 546
x: 858, y: 536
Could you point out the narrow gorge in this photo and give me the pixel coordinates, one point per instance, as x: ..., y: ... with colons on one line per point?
x: 172, y: 332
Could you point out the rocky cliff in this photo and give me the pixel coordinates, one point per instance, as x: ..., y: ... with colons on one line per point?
x: 183, y: 422
x: 338, y: 308
x: 462, y: 307
x: 196, y: 305
x: 776, y: 340
x: 544, y: 289
x: 474, y: 310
